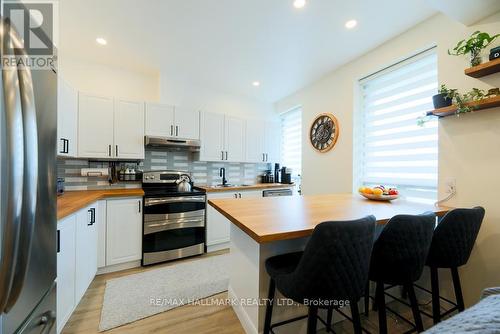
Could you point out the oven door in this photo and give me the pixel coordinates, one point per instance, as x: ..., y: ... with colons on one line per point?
x: 174, y: 227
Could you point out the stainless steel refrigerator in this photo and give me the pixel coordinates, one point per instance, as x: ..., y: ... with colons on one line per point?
x: 28, y: 102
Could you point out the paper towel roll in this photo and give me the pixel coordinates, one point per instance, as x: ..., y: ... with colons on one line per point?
x: 98, y: 172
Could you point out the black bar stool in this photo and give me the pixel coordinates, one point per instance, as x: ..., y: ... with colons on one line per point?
x: 398, y: 258
x: 333, y: 267
x: 451, y: 247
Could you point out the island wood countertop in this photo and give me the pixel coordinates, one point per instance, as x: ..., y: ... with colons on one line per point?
x: 290, y: 217
x: 72, y: 201
x: 210, y: 189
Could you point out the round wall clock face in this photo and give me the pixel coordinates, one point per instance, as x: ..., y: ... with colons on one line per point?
x: 324, y: 132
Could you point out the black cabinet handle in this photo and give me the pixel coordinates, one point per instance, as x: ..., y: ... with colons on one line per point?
x: 239, y: 195
x: 226, y: 155
x: 92, y: 216
x: 263, y: 157
x: 116, y: 150
x: 109, y: 150
x: 139, y: 206
x: 65, y: 148
x: 171, y: 130
x: 176, y: 130
x: 58, y: 238
x: 222, y: 155
x: 235, y: 195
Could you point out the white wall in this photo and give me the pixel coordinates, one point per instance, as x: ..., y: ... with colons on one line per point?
x: 178, y: 92
x: 468, y: 146
x: 108, y: 80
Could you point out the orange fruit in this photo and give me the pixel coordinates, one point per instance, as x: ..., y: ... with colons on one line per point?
x: 368, y: 190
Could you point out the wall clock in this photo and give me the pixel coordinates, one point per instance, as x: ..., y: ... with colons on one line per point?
x: 324, y: 132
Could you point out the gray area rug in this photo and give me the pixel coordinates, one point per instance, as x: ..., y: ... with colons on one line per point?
x: 134, y: 297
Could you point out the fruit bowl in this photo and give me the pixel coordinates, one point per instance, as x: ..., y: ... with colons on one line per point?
x: 379, y: 193
x: 379, y: 197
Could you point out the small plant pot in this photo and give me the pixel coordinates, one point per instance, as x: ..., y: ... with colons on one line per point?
x: 475, y: 58
x: 441, y: 100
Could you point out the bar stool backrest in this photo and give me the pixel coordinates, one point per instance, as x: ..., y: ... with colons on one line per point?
x: 335, y: 262
x: 454, y: 237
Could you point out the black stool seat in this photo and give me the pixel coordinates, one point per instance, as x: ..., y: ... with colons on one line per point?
x: 451, y: 246
x: 282, y: 264
x: 333, y: 268
x: 398, y: 258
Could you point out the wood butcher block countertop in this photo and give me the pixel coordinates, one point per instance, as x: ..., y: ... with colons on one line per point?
x: 281, y: 218
x: 72, y: 201
x: 257, y: 186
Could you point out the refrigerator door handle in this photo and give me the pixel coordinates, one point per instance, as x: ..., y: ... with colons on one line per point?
x: 12, y: 185
x: 30, y: 183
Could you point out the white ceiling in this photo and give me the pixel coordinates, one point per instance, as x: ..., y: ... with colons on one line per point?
x: 228, y: 44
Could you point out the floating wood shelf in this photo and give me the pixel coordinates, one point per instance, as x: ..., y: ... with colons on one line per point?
x: 491, y: 102
x: 485, y: 69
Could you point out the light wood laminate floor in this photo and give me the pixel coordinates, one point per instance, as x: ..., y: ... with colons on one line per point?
x: 200, y: 319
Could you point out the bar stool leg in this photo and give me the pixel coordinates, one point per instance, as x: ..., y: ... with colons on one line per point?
x: 367, y: 298
x: 356, y: 320
x: 380, y: 301
x: 329, y: 317
x: 436, y: 306
x: 312, y: 319
x: 458, y: 289
x: 414, y: 307
x: 269, y: 306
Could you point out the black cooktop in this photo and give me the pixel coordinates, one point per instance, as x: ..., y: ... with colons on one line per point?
x: 169, y: 190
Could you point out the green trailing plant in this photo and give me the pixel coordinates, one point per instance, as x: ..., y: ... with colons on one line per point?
x: 473, y: 46
x: 461, y: 101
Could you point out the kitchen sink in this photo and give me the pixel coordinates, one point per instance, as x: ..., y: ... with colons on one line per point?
x: 230, y: 185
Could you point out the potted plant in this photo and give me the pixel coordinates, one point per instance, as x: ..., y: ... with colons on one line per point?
x: 444, y: 98
x: 473, y: 46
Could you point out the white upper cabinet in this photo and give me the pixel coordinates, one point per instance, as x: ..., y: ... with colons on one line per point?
x: 95, y: 126
x: 67, y: 119
x: 159, y: 120
x: 129, y: 132
x: 234, y: 139
x: 255, y: 139
x: 222, y: 138
x: 168, y: 121
x: 272, y: 143
x: 187, y: 123
x: 212, y: 137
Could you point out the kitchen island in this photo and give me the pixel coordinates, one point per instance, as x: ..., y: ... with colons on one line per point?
x: 264, y: 227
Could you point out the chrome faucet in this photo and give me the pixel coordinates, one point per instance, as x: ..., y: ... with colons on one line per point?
x: 222, y: 173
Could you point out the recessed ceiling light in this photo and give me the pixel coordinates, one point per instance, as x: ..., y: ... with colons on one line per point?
x: 351, y: 24
x: 101, y: 41
x: 256, y: 83
x: 299, y: 3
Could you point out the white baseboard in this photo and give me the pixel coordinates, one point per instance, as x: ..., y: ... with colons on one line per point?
x: 218, y: 247
x: 118, y: 267
x: 245, y: 321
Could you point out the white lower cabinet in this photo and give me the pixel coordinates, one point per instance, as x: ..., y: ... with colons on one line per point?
x: 217, y: 224
x: 86, y: 248
x: 66, y: 253
x: 123, y: 231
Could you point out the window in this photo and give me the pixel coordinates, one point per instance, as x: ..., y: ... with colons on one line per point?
x: 291, y: 141
x: 394, y: 150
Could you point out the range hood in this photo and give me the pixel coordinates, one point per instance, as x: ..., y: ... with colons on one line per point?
x: 173, y: 144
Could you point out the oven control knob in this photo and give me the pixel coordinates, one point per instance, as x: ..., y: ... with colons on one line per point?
x: 152, y: 177
x: 147, y: 177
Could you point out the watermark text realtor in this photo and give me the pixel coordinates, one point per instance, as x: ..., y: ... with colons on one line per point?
x: 28, y: 34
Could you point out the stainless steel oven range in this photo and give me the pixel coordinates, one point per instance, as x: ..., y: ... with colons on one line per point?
x: 173, y: 217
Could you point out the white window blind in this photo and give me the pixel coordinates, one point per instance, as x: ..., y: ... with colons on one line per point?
x: 291, y: 140
x: 395, y: 150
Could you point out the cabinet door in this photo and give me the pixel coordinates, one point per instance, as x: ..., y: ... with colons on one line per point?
x: 212, y: 136
x: 254, y: 142
x: 159, y: 120
x: 273, y: 141
x: 86, y: 249
x: 66, y: 230
x: 129, y: 130
x: 251, y: 194
x: 218, y: 230
x: 187, y: 123
x: 67, y: 119
x: 123, y: 231
x: 234, y: 139
x: 95, y: 126
x: 101, y: 234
